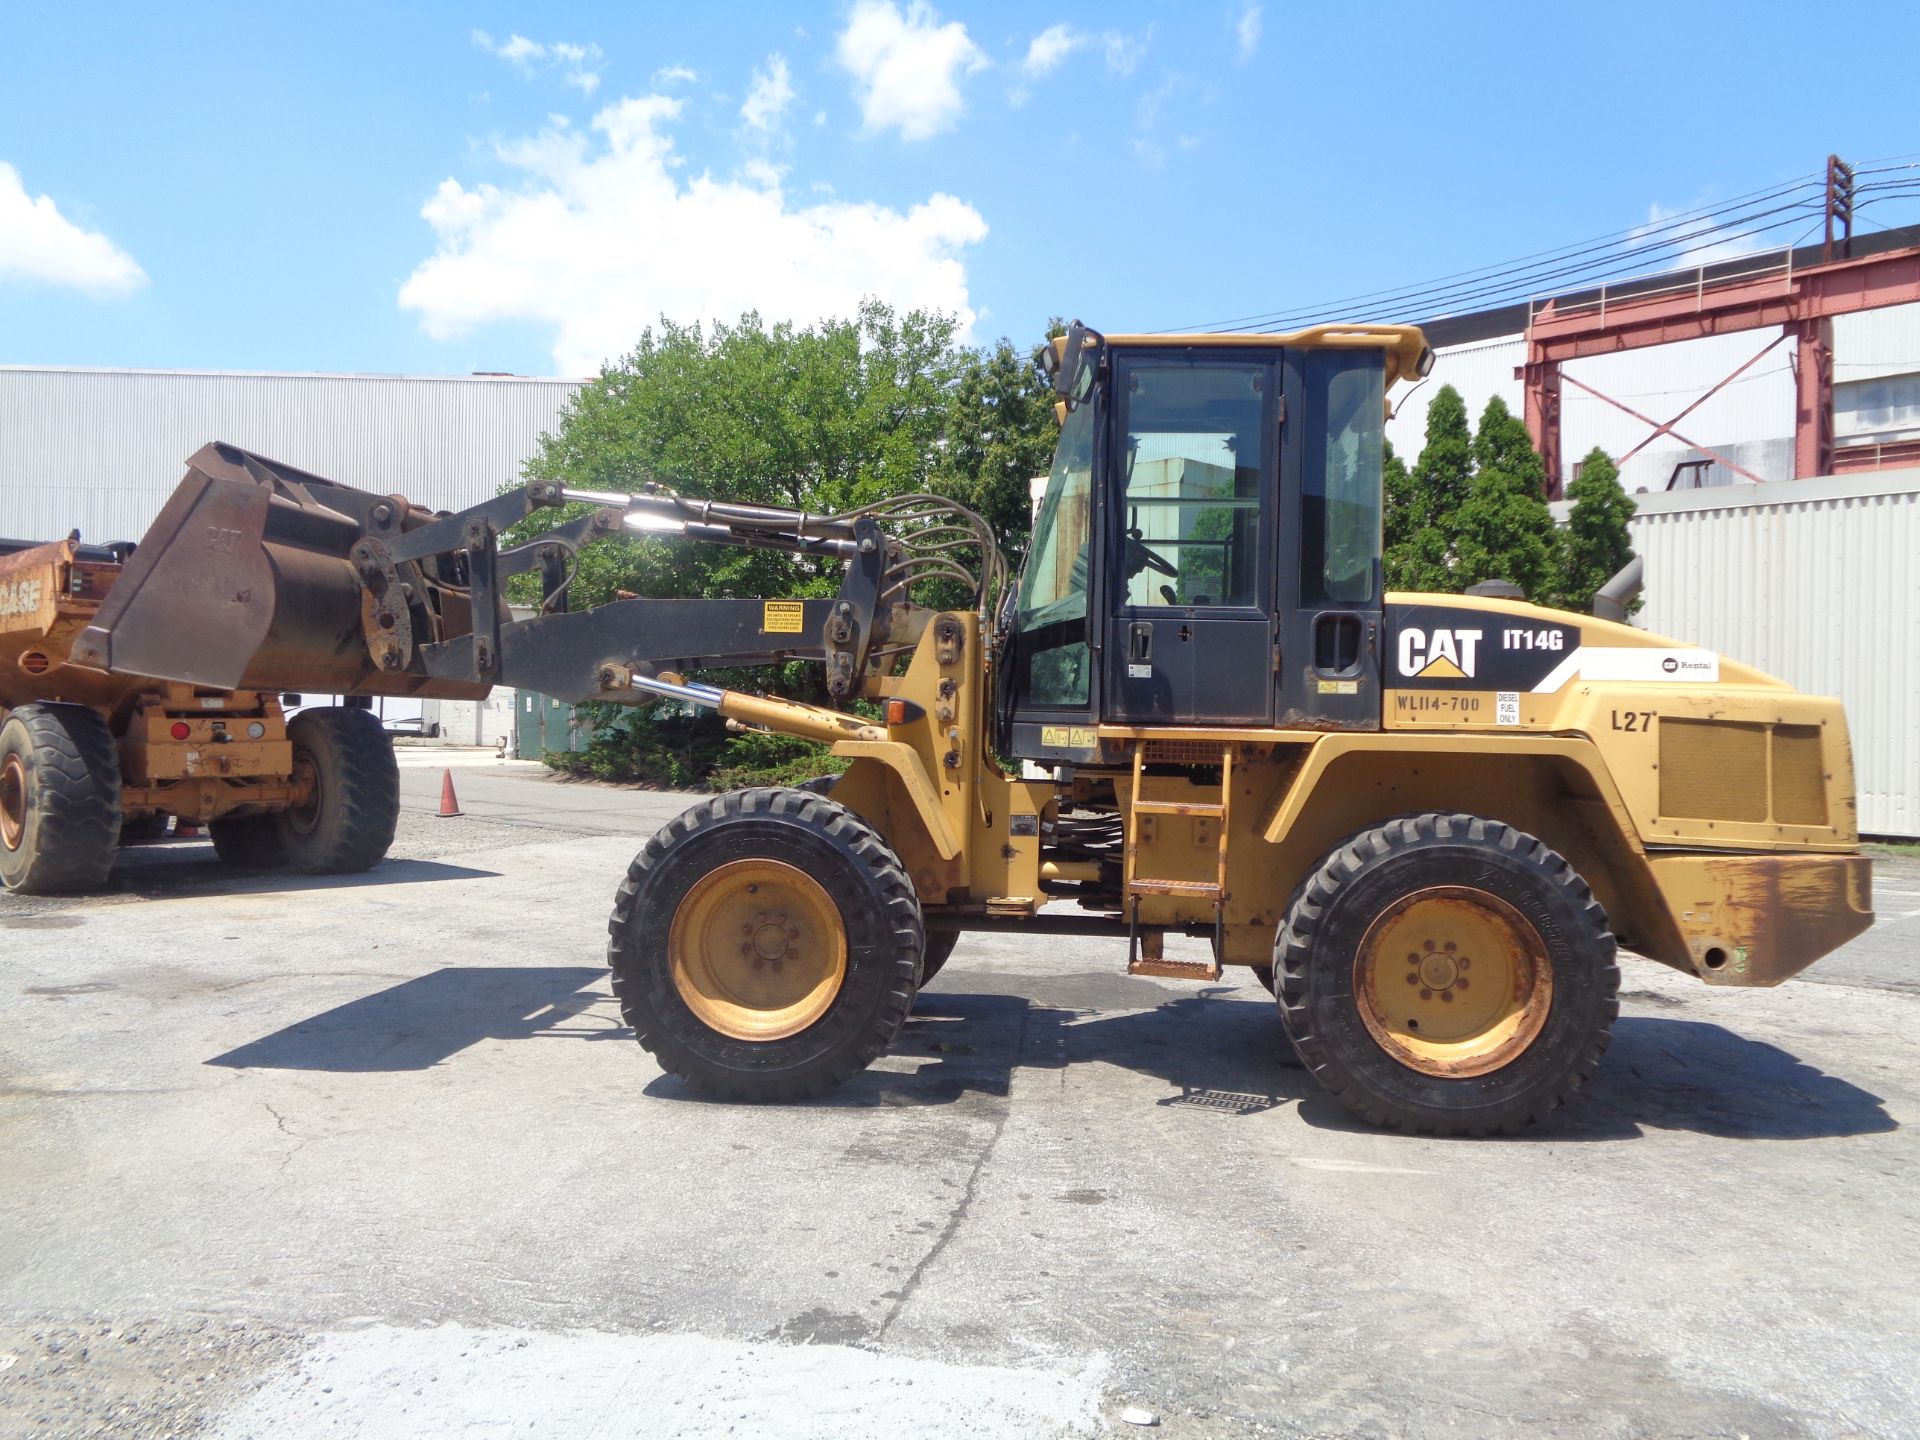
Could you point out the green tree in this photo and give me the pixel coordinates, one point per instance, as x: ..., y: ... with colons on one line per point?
x: 999, y: 435
x: 1503, y: 529
x: 1399, y: 522
x: 1596, y: 542
x: 821, y: 418
x: 1421, y: 506
x: 1444, y: 472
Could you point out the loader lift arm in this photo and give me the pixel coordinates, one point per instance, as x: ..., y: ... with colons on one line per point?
x: 260, y: 574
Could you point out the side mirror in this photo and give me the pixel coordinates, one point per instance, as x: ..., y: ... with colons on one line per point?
x: 1068, y: 370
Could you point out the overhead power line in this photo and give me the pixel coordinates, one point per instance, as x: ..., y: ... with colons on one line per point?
x: 1667, y: 243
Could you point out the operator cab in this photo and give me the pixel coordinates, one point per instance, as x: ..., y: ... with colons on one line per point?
x: 1208, y: 549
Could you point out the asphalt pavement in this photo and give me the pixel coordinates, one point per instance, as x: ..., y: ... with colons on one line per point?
x: 375, y: 1156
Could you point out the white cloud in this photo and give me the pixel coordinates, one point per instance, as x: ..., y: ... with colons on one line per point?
x: 676, y: 75
x: 1246, y: 31
x: 37, y: 242
x: 579, y: 65
x: 603, y: 238
x: 1051, y: 46
x: 1691, y: 242
x: 907, y: 67
x: 769, y: 95
x: 1047, y: 50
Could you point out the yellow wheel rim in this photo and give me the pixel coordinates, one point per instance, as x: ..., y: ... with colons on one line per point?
x: 13, y: 802
x: 757, y: 950
x: 1452, y: 981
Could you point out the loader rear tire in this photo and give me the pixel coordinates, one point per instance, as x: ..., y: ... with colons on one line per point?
x: 766, y: 945
x: 59, y: 799
x: 248, y: 840
x: 144, y: 828
x: 347, y: 821
x: 1448, y: 974
x: 940, y: 945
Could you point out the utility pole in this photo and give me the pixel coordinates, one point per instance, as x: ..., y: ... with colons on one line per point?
x: 1839, y: 210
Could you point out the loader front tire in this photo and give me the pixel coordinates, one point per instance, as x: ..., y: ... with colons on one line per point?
x: 766, y: 945
x: 1448, y: 974
x: 59, y: 799
x: 351, y: 805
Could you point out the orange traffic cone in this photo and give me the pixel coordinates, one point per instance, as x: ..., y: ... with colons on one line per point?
x: 449, y: 802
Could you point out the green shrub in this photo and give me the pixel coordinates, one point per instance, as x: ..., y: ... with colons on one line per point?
x: 688, y: 752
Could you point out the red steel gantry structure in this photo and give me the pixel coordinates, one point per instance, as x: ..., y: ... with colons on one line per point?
x: 1801, y: 301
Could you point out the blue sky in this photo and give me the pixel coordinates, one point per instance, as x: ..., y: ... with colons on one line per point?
x: 494, y: 186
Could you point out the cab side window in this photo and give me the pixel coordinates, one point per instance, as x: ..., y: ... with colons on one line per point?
x: 1190, y: 502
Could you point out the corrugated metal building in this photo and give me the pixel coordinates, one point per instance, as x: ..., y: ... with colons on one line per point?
x: 102, y: 449
x: 1815, y: 582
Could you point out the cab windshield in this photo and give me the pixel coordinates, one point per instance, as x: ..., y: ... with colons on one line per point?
x: 1051, y: 616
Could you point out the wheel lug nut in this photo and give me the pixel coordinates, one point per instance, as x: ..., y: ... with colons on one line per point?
x: 1465, y: 964
x: 1426, y: 994
x: 1413, y: 979
x: 1447, y: 996
x: 1462, y: 983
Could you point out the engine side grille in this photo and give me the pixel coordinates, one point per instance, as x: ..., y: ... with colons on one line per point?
x: 1799, y: 776
x: 1713, y: 770
x: 1721, y: 770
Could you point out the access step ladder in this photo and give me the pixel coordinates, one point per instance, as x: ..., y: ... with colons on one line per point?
x: 1158, y: 799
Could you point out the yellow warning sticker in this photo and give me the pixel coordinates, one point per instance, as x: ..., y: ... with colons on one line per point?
x: 1069, y: 737
x: 1339, y: 687
x: 784, y: 617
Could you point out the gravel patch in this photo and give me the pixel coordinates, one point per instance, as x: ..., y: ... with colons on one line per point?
x: 119, y: 1380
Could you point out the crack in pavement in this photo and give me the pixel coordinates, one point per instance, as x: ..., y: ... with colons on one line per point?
x: 965, y: 1203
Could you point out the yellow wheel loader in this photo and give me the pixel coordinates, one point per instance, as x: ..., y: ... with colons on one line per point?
x: 1425, y: 822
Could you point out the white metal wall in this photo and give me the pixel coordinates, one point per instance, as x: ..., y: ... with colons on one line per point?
x: 1814, y: 581
x: 102, y: 449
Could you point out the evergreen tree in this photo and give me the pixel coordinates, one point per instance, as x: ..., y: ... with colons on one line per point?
x: 1503, y: 530
x: 1596, y: 542
x: 1399, y: 520
x: 1419, y: 553
x: 1444, y: 471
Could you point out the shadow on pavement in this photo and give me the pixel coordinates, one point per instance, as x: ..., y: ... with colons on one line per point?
x: 421, y: 1022
x: 1221, y: 1051
x: 158, y: 870
x: 1225, y: 1054
x: 1694, y: 1075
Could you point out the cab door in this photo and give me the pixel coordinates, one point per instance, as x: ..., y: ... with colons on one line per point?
x: 1330, y: 647
x: 1192, y: 494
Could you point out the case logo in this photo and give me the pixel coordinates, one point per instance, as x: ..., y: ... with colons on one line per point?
x: 1439, y: 654
x: 19, y: 597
